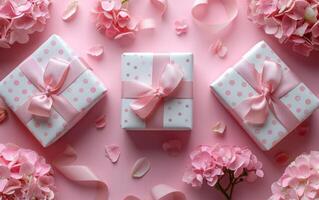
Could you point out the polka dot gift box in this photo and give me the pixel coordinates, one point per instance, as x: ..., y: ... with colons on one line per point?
x: 264, y: 96
x: 157, y: 91
x: 51, y: 90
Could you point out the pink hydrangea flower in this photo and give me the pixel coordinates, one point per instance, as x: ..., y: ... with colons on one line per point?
x: 24, y: 174
x: 290, y: 21
x: 300, y: 179
x: 20, y: 18
x: 113, y: 19
x: 217, y: 164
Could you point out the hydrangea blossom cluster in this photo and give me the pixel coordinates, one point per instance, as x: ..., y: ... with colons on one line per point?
x: 300, y: 179
x: 113, y: 19
x: 290, y: 21
x: 20, y: 18
x: 24, y: 175
x: 222, y: 167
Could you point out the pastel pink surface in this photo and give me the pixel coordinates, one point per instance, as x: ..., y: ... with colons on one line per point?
x: 79, y: 33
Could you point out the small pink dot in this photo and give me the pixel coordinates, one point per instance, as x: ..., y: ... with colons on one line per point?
x: 257, y: 131
x: 273, y: 122
x: 16, y: 99
x: 46, y: 51
x: 244, y: 84
x: 53, y: 42
x: 264, y: 141
x: 250, y: 94
x: 93, y: 89
x: 37, y: 125
x: 302, y: 88
x: 258, y: 56
x: 136, y: 77
x: 179, y: 114
x: 61, y: 51
x: 81, y: 90
x: 308, y: 101
x: 128, y: 63
x: 269, y: 132
x: 24, y: 91
x: 289, y: 105
x: 89, y: 99
x: 220, y: 84
x: 125, y: 110
x: 75, y: 99
x: 232, y: 82
x: 16, y: 82
x: 49, y: 125
x: 170, y: 120
x: 227, y: 92
x: 297, y: 98
x: 239, y: 94
x: 85, y: 81
x: 46, y: 134
x: 10, y: 90
x: 298, y: 110
x: 39, y: 59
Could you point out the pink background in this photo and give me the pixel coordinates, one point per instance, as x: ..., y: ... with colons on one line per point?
x: 89, y: 142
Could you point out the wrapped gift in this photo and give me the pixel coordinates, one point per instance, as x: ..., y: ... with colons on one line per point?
x: 157, y: 91
x: 264, y: 96
x: 51, y: 90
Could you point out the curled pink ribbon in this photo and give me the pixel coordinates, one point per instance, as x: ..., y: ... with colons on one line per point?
x: 161, y: 5
x: 80, y: 173
x: 271, y: 84
x: 151, y: 96
x: 53, y: 79
x: 200, y: 8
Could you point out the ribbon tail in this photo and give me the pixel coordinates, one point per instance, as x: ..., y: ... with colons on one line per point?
x: 254, y: 110
x: 40, y: 106
x: 144, y: 106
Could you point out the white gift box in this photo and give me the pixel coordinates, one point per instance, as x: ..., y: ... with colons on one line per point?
x: 232, y: 90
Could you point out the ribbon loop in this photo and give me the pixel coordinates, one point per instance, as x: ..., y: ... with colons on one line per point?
x: 270, y: 85
x: 54, y: 77
x: 146, y: 103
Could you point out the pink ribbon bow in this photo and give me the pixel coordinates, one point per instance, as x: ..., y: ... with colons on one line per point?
x: 151, y: 96
x: 54, y: 77
x: 271, y: 84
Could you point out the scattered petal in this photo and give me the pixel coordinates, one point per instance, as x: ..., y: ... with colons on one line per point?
x: 131, y: 197
x: 96, y: 50
x: 125, y: 38
x: 100, y: 122
x: 172, y: 147
x: 219, y: 49
x: 3, y: 111
x: 70, y: 10
x: 181, y: 27
x: 164, y: 192
x: 282, y: 158
x: 112, y: 152
x: 70, y: 151
x: 219, y: 128
x: 140, y: 168
x: 161, y: 5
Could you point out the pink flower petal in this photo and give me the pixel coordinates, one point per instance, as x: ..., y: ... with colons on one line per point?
x: 172, y: 147
x: 125, y: 38
x: 131, y: 197
x: 70, y: 151
x: 288, y: 25
x: 219, y: 49
x: 161, y: 5
x: 96, y: 50
x: 181, y: 27
x: 219, y: 128
x: 100, y: 122
x: 70, y: 10
x: 282, y: 158
x: 112, y: 152
x: 166, y: 192
x: 140, y: 168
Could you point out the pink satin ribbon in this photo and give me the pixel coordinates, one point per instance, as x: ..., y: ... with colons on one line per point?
x: 271, y: 84
x: 200, y: 9
x: 167, y: 82
x: 151, y: 96
x: 80, y: 174
x: 50, y: 82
